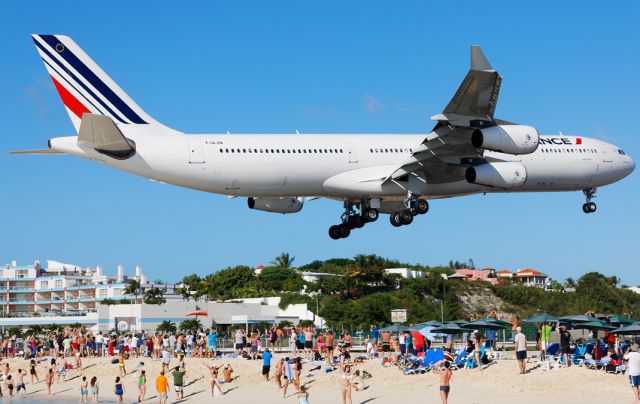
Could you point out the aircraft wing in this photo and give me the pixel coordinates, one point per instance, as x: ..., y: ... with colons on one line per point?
x: 444, y: 152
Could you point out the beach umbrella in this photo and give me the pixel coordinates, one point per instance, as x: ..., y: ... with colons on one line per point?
x: 395, y: 328
x: 197, y: 313
x: 431, y: 323
x: 630, y: 329
x: 459, y: 322
x: 620, y: 320
x: 482, y: 325
x: 580, y: 318
x: 449, y: 328
x: 499, y: 322
x: 541, y: 318
x: 594, y: 325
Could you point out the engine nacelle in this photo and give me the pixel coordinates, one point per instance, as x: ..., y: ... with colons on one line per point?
x: 289, y: 204
x: 499, y: 174
x: 510, y: 139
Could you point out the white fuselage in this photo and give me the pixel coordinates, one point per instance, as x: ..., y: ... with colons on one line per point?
x: 317, y: 165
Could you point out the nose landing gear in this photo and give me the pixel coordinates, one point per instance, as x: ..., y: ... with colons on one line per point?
x: 588, y: 206
x: 352, y: 219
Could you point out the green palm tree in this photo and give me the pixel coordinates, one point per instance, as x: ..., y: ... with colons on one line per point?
x: 283, y: 260
x: 132, y: 288
x: 166, y: 327
x: 15, y: 332
x: 154, y: 296
x: 34, y: 330
x: 191, y: 325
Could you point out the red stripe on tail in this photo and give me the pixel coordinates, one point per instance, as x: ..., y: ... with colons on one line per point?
x: 578, y: 140
x: 69, y: 100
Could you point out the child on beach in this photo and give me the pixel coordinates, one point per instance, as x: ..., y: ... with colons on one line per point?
x: 303, y: 395
x: 84, y: 390
x: 142, y: 386
x: 123, y: 371
x: 49, y: 380
x: 9, y: 383
x: 445, y: 377
x: 118, y: 390
x: 20, y: 383
x: 94, y: 389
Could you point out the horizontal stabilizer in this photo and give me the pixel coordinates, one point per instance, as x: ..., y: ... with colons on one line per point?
x: 43, y: 151
x: 101, y: 133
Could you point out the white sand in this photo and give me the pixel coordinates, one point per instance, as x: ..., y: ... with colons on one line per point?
x: 498, y: 383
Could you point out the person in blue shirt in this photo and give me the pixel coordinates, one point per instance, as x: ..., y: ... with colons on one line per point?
x: 266, y: 363
x: 212, y: 342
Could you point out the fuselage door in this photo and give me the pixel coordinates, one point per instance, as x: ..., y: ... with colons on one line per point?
x: 351, y: 151
x: 196, y: 154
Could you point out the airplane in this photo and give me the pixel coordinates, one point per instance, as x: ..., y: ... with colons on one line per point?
x: 467, y: 152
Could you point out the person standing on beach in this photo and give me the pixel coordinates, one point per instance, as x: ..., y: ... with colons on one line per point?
x: 123, y: 371
x: 84, y: 390
x: 49, y: 380
x: 565, y: 341
x: 20, y: 383
x: 445, y: 374
x: 162, y: 385
x: 632, y: 356
x: 308, y: 342
x: 279, y: 371
x: 520, y: 341
x: 478, y: 348
x: 266, y: 364
x: 166, y: 359
x: 288, y: 376
x: 33, y: 372
x: 178, y: 382
x: 142, y: 385
x: 212, y: 342
x: 94, y: 389
x: 545, y: 338
x: 118, y: 390
x: 386, y: 345
x: 330, y: 338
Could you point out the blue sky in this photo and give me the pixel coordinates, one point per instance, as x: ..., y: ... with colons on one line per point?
x: 328, y: 67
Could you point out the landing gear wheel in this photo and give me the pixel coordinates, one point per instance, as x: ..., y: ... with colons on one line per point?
x: 358, y: 222
x: 334, y: 233
x: 585, y: 209
x: 396, y: 219
x: 371, y: 215
x: 591, y: 207
x: 406, y: 216
x: 421, y: 206
x: 344, y: 230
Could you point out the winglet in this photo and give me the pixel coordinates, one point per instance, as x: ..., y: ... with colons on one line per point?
x: 478, y: 59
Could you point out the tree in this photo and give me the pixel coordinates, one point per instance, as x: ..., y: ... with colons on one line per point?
x: 280, y: 278
x: 34, y: 330
x: 190, y: 326
x: 283, y: 260
x: 191, y: 287
x: 132, y: 288
x: 15, y: 332
x: 570, y: 282
x: 166, y: 327
x: 154, y: 296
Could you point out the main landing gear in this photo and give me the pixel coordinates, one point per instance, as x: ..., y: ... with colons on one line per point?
x: 589, y: 207
x: 413, y: 207
x: 352, y: 219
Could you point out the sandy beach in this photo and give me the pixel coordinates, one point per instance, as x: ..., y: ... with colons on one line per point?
x: 497, y: 383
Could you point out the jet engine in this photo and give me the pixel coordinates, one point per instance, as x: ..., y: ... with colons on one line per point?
x: 289, y: 204
x: 510, y: 139
x: 499, y: 174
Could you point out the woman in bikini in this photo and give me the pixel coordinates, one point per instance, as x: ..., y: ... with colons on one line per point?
x: 279, y: 372
x: 94, y: 389
x: 214, y: 379
x: 49, y: 380
x: 346, y: 379
x: 297, y: 371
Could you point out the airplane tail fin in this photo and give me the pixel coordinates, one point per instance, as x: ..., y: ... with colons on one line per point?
x: 85, y: 88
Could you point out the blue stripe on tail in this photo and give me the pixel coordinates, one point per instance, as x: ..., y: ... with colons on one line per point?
x: 94, y: 80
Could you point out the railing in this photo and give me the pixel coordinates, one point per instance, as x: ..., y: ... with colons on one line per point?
x: 68, y: 313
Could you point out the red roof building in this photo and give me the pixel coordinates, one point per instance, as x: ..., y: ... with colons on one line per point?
x: 484, y: 275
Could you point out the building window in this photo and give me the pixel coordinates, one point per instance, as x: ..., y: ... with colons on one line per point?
x: 44, y: 284
x: 102, y: 292
x: 58, y: 283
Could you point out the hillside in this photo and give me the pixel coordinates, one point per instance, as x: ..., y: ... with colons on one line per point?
x: 364, y: 294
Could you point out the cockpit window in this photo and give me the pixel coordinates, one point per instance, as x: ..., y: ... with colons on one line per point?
x: 620, y: 151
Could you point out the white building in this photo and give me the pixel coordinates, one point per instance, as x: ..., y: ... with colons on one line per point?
x: 406, y: 273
